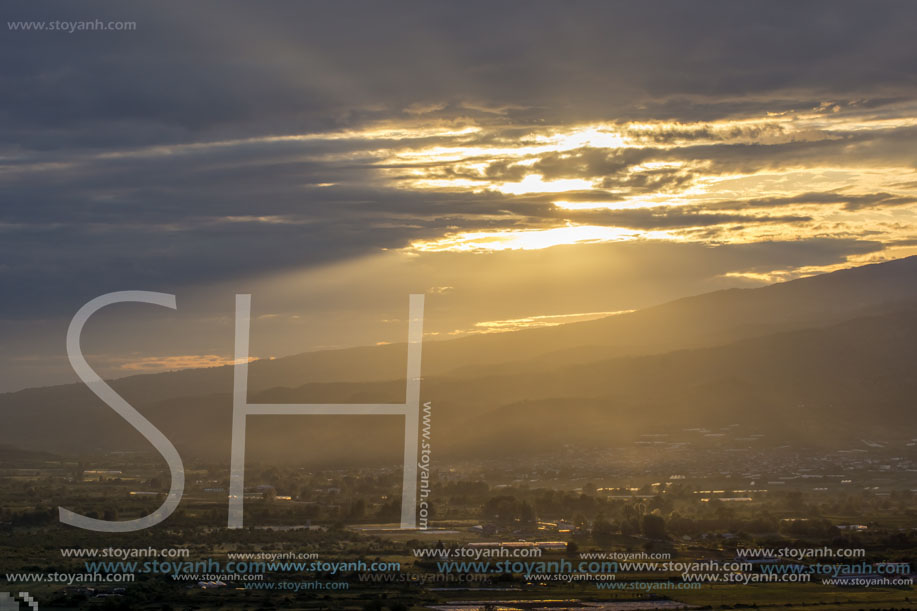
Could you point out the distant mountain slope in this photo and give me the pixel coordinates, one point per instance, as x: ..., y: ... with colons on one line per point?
x: 704, y: 320
x: 10, y: 454
x: 826, y: 386
x: 855, y: 369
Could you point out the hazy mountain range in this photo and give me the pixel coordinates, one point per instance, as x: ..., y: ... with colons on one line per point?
x: 822, y: 361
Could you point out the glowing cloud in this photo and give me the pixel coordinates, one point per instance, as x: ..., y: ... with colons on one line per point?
x: 484, y: 241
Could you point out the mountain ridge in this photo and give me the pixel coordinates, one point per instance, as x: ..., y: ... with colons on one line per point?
x: 875, y: 284
x: 869, y: 356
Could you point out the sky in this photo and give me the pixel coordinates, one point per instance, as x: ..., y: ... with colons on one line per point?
x: 521, y: 163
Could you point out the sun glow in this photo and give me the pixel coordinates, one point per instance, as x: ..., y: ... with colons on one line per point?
x: 535, y: 183
x: 625, y: 204
x: 485, y: 241
x: 534, y: 322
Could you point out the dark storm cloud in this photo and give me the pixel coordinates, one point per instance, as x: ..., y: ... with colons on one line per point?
x: 204, y: 69
x: 88, y: 206
x: 592, y: 162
